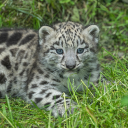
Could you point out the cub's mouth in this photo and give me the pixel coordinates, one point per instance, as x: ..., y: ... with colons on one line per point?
x: 70, y: 73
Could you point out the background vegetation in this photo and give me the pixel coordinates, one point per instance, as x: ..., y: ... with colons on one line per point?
x: 105, y: 108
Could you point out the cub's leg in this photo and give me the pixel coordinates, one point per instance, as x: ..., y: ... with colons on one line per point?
x: 50, y: 99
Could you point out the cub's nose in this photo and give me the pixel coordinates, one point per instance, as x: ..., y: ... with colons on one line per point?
x: 70, y: 64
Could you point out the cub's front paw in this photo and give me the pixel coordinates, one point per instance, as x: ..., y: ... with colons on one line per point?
x: 62, y: 108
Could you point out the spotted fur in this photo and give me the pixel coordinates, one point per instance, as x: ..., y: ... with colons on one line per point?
x: 36, y: 66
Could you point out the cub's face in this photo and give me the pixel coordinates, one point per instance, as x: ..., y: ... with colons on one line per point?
x: 68, y: 46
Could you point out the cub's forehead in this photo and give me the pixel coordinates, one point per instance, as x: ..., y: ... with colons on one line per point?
x: 69, y: 26
x: 68, y: 32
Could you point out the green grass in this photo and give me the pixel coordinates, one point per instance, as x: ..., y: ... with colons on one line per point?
x: 105, y: 105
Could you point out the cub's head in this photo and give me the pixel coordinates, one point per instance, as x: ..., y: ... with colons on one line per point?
x: 67, y: 46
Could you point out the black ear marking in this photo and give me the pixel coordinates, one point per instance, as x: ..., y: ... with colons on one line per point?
x: 44, y: 34
x: 93, y: 32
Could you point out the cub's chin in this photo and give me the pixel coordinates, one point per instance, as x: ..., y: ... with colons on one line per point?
x: 70, y: 74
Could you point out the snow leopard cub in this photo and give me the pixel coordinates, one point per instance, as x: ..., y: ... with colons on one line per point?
x: 36, y: 66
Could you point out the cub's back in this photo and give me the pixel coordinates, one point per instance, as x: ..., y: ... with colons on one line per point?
x: 18, y: 48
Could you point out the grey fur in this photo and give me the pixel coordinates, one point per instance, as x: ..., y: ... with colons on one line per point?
x: 31, y: 68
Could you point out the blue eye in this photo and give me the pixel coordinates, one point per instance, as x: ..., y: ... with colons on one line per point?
x: 80, y: 50
x: 59, y: 51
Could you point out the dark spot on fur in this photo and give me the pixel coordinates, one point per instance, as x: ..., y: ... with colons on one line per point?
x: 2, y: 79
x: 48, y: 94
x: 26, y: 86
x: 57, y: 42
x: 50, y: 70
x: 15, y: 80
x: 6, y: 62
x: 62, y: 43
x: 34, y: 64
x: 97, y: 81
x: 14, y: 51
x: 14, y: 39
x: 16, y: 66
x: 30, y: 94
x: 30, y: 78
x: 87, y: 45
x: 52, y: 47
x: 27, y: 39
x: 37, y: 77
x: 52, y: 65
x: 25, y: 64
x: 77, y: 43
x: 1, y: 50
x: 54, y: 84
x: 11, y: 74
x: 43, y: 82
x: 98, y: 67
x: 9, y: 87
x: 59, y: 101
x: 47, y: 105
x: 56, y: 97
x: 40, y: 71
x: 43, y: 91
x: 37, y: 100
x: 22, y: 72
x: 92, y: 50
x: 56, y: 80
x: 90, y: 69
x: 61, y: 75
x: 86, y: 77
x: 47, y: 76
x: 68, y: 112
x: 14, y: 95
x: 3, y: 37
x: 34, y: 86
x: 46, y: 51
x: 78, y: 70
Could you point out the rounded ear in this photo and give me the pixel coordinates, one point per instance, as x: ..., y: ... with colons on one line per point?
x: 92, y: 32
x: 44, y: 32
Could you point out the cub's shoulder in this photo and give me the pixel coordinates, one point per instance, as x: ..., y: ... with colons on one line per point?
x: 11, y: 36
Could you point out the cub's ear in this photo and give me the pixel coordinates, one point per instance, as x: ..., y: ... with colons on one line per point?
x: 92, y: 32
x: 44, y: 33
